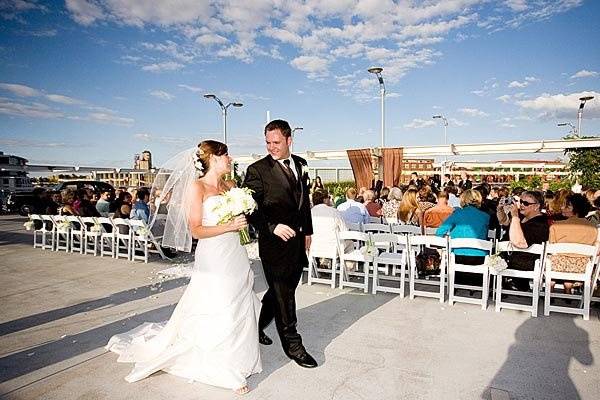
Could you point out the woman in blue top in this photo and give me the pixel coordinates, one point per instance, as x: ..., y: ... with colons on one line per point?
x: 467, y: 222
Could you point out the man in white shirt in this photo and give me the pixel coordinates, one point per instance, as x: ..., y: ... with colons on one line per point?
x: 353, y: 211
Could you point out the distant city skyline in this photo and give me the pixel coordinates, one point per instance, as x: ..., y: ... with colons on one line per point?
x: 93, y: 82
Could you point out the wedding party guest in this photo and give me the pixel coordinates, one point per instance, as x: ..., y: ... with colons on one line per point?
x: 86, y: 208
x: 68, y: 197
x: 383, y: 195
x: 555, y: 207
x: 471, y: 223
x: 594, y: 217
x: 409, y: 212
x: 464, y: 183
x: 140, y: 209
x: 353, y: 211
x: 527, y: 226
x: 446, y: 179
x: 392, y: 205
x: 452, y: 191
x: 316, y: 184
x: 416, y: 181
x: 489, y: 207
x: 103, y: 204
x: 372, y: 206
x: 574, y: 229
x: 436, y: 215
x: 326, y: 221
x: 426, y: 198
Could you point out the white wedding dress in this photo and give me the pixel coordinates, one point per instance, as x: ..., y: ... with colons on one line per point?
x: 212, y: 336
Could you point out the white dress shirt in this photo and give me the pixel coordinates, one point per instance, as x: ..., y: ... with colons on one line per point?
x: 326, y: 221
x: 292, y: 165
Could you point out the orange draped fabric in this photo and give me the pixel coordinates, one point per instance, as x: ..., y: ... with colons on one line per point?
x: 360, y: 161
x: 392, y: 166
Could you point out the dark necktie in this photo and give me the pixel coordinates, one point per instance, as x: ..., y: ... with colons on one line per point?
x: 290, y: 174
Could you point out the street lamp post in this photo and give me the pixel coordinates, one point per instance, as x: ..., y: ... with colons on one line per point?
x: 573, y: 129
x: 377, y: 71
x: 580, y: 112
x: 298, y: 128
x: 445, y: 121
x: 224, y: 111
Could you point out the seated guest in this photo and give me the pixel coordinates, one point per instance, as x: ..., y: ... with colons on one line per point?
x: 326, y: 221
x: 353, y: 211
x: 68, y: 197
x: 467, y: 222
x: 574, y: 229
x: 140, y: 209
x: 86, y: 208
x: 373, y: 207
x: 103, y: 205
x: 409, y: 212
x: 555, y: 207
x: 383, y: 196
x: 437, y: 214
x: 123, y: 205
x: 426, y: 198
x: 391, y: 206
x: 316, y: 184
x: 594, y: 217
x: 489, y: 207
x: 528, y: 225
x: 451, y: 190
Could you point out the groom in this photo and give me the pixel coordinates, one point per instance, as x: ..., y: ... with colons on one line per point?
x: 284, y: 225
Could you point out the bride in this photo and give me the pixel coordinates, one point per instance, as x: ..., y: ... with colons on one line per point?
x: 212, y: 336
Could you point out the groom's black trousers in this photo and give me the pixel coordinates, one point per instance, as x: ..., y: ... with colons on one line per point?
x: 279, y: 303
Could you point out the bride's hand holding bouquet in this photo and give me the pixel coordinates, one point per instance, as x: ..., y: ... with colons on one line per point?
x: 238, y: 202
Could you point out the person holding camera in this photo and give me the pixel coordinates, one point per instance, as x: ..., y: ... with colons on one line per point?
x: 527, y: 226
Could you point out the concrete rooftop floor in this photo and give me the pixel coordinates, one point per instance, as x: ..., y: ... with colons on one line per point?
x: 58, y: 310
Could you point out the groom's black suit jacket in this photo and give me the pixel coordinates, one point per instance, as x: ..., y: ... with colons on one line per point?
x: 280, y: 202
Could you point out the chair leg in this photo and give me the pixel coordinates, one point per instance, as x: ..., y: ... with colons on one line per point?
x: 547, y: 294
x: 485, y: 290
x: 375, y: 277
x: 402, y: 280
x: 333, y: 266
x: 498, y: 291
x: 536, y: 297
x: 411, y: 282
x: 586, y: 300
x: 451, y: 288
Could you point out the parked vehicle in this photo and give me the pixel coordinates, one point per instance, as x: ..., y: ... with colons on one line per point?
x: 22, y: 202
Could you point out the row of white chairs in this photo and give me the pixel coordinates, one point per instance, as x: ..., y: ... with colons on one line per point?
x: 114, y: 237
x: 393, y: 264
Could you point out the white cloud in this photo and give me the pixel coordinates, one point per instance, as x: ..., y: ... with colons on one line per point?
x: 584, y: 74
x: 473, y: 112
x: 562, y: 105
x: 418, y: 123
x: 456, y: 122
x: 20, y: 90
x: 505, y: 98
x: 108, y: 118
x: 531, y: 79
x: 210, y: 39
x: 163, y: 66
x: 84, y: 12
x: 315, y: 66
x: 507, y: 125
x: 58, y: 98
x: 160, y: 94
x: 517, y: 84
x: 194, y: 89
x: 34, y: 110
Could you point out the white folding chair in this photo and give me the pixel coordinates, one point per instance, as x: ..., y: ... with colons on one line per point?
x: 62, y: 233
x: 406, y: 229
x: 429, y: 231
x: 143, y: 240
x: 92, y: 234
x: 354, y: 226
x: 354, y: 256
x: 123, y: 237
x: 584, y: 277
x: 374, y: 220
x: 49, y: 233
x: 108, y: 237
x: 389, y: 265
x: 76, y: 233
x: 481, y: 269
x: 417, y: 243
x: 37, y: 220
x: 317, y: 274
x: 535, y: 276
x: 376, y: 228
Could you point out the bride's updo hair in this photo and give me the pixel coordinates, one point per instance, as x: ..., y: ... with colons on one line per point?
x: 206, y: 148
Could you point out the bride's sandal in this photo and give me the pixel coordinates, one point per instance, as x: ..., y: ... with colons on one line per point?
x: 243, y: 390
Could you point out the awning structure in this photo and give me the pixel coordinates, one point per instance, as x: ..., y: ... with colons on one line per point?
x: 543, y: 146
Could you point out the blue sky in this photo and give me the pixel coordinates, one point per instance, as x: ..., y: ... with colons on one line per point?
x: 91, y: 82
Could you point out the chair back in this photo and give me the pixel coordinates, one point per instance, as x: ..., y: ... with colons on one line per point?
x: 429, y: 231
x: 374, y: 220
x: 468, y: 243
x: 358, y: 239
x: 384, y: 241
x: 354, y: 226
x: 122, y: 226
x: 428, y: 241
x: 577, y: 249
x: 389, y: 220
x: 139, y: 227
x: 507, y: 246
x: 76, y: 223
x: 376, y: 228
x: 406, y: 229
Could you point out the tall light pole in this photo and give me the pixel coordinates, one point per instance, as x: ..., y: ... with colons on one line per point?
x: 224, y: 111
x: 580, y: 112
x: 445, y: 121
x: 573, y: 129
x: 377, y: 71
x: 298, y: 128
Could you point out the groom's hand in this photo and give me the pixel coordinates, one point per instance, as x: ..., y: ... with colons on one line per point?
x: 284, y: 232
x: 307, y: 242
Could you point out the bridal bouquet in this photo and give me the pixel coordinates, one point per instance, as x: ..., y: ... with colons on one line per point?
x: 496, y: 263
x: 237, y: 201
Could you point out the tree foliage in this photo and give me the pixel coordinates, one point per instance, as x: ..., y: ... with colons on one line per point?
x: 584, y: 164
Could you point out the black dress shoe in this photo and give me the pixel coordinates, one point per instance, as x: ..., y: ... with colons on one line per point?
x: 304, y: 360
x: 264, y: 339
